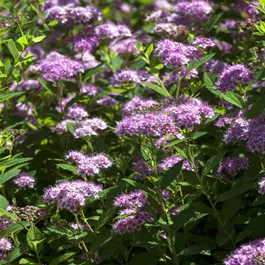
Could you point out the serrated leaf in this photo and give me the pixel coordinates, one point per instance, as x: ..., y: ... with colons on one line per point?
x: 171, y: 175
x: 158, y: 89
x: 34, y: 238
x: 203, y: 60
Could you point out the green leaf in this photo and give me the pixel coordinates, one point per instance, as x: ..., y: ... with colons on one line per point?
x: 209, y: 81
x: 62, y: 258
x: 68, y: 167
x: 262, y: 3
x: 171, y: 175
x: 34, y: 238
x: 212, y: 163
x: 94, y: 71
x: 182, y: 218
x: 203, y: 60
x: 158, y: 89
x: 28, y: 262
x: 238, y: 189
x: 221, y: 238
x: 14, y: 228
x: 11, y: 45
x: 104, y: 218
x: 8, y: 175
x: 144, y: 258
x: 233, y: 98
x: 257, y: 108
x: 242, y: 235
x: 149, y: 50
x: 38, y: 39
x: 3, y: 202
x: 7, y: 96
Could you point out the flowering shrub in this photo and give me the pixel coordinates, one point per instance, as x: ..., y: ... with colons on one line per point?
x: 132, y: 132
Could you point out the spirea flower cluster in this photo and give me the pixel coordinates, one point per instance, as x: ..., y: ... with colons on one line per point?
x: 231, y: 166
x: 71, y: 195
x: 57, y: 67
x: 89, y: 165
x: 24, y: 180
x: 131, y: 204
x: 250, y: 253
x: 176, y: 54
x: 234, y: 76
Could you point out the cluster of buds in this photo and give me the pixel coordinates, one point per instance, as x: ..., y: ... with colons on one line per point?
x: 27, y: 213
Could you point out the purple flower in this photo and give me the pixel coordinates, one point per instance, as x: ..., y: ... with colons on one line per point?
x: 61, y: 127
x: 124, y: 46
x: 233, y: 76
x: 133, y: 200
x: 242, y: 6
x: 170, y: 30
x: 73, y: 14
x: 237, y: 132
x: 91, y: 166
x: 137, y: 104
x: 110, y: 30
x: 177, y: 54
x: 127, y: 77
x: 26, y: 85
x: 83, y: 43
x: 150, y: 124
x: 173, y: 160
x: 76, y: 112
x: 71, y: 195
x: 261, y: 186
x: 141, y: 167
x: 57, y: 67
x: 89, y: 89
x: 166, y: 194
x: 75, y: 156
x: 203, y: 42
x: 215, y: 66
x: 5, y: 244
x: 89, y: 127
x: 256, y: 134
x: 24, y: 180
x: 248, y: 254
x: 198, y: 10
x: 174, y: 211
x: 61, y: 106
x: 224, y: 46
x: 189, y: 112
x: 131, y: 223
x: 107, y: 101
x: 230, y: 167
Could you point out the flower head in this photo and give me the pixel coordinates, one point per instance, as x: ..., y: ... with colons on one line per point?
x: 71, y: 195
x: 233, y: 76
x: 231, y: 166
x: 24, y: 180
